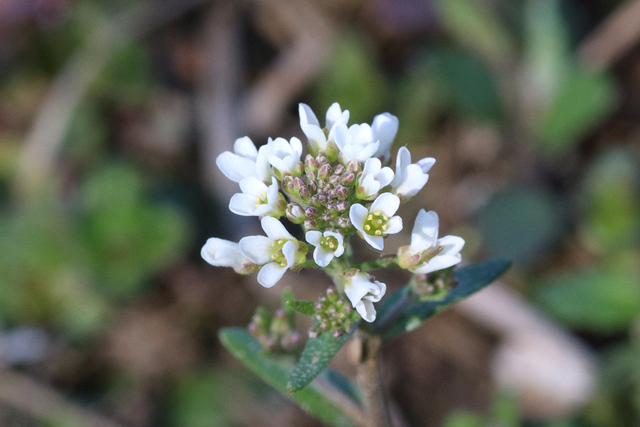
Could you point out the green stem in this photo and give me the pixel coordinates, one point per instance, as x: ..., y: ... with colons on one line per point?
x: 384, y: 261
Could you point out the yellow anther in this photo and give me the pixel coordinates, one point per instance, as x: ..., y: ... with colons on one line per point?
x: 384, y: 227
x: 370, y: 217
x: 377, y: 213
x: 274, y: 243
x: 283, y: 263
x: 378, y: 232
x: 273, y: 256
x: 386, y: 218
x: 367, y: 227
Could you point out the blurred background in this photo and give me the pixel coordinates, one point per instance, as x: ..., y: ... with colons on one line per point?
x: 112, y: 115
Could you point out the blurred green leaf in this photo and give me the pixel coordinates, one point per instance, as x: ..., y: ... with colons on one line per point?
x: 521, y: 223
x: 477, y: 28
x: 353, y: 79
x: 583, y: 100
x: 315, y: 358
x: 463, y: 419
x: 470, y: 279
x: 302, y: 307
x: 127, y: 76
x: 467, y: 83
x: 611, y: 201
x: 602, y: 299
x: 276, y: 372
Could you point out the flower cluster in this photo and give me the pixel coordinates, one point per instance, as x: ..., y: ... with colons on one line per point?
x: 342, y: 188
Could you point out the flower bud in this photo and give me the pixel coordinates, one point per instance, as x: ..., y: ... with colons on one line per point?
x: 310, y: 165
x: 295, y: 213
x: 339, y: 170
x: 341, y: 192
x: 297, y: 183
x: 333, y: 179
x: 315, y: 201
x: 328, y: 215
x: 343, y: 221
x: 353, y: 166
x: 313, y: 186
x: 324, y: 171
x: 311, y: 212
x: 287, y: 184
x: 310, y: 224
x: 304, y: 193
x: 342, y: 205
x: 348, y: 178
x: 323, y: 199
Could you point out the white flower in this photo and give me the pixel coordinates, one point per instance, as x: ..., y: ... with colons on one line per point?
x: 373, y: 178
x: 385, y: 128
x: 241, y: 163
x: 410, y: 178
x: 427, y: 253
x: 362, y: 291
x: 328, y: 245
x: 223, y: 253
x: 257, y: 199
x: 373, y: 223
x: 283, y: 155
x: 318, y: 139
x: 357, y: 142
x: 277, y: 252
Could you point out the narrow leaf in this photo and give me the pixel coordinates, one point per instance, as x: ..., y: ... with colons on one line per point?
x: 316, y: 356
x: 470, y: 279
x: 302, y: 307
x: 276, y: 370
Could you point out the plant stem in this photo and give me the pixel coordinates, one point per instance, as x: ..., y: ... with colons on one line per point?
x: 384, y: 261
x: 369, y: 377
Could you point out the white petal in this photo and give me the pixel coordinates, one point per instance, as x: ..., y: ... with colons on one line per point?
x: 289, y: 252
x: 274, y: 229
x: 243, y: 205
x: 371, y: 166
x: 333, y: 114
x: 403, y: 159
x: 221, y: 253
x: 307, y: 116
x: 426, y: 164
x: 313, y: 237
x: 385, y: 176
x: 273, y: 191
x: 376, y: 292
x: 367, y: 151
x: 321, y: 256
x: 358, y: 287
x: 270, y: 273
x: 385, y: 128
x: 438, y: 262
x: 394, y: 225
x: 452, y: 244
x: 357, y: 215
x: 315, y: 135
x: 252, y: 185
x: 387, y: 203
x: 256, y: 248
x: 244, y: 147
x: 296, y: 145
x: 235, y: 167
x: 425, y: 231
x: 340, y: 135
x: 412, y: 182
x: 342, y: 120
x: 366, y: 310
x: 376, y: 242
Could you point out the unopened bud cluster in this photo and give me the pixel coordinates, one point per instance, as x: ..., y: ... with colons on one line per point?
x: 274, y: 332
x: 333, y: 315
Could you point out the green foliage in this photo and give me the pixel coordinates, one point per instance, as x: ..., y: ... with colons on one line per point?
x: 521, y: 223
x: 315, y: 358
x: 302, y: 307
x: 602, y: 299
x: 470, y: 279
x: 620, y: 381
x: 276, y: 372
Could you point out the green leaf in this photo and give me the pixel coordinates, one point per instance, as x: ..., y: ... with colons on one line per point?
x: 582, y: 100
x: 470, y: 279
x: 315, y: 358
x: 302, y: 307
x: 276, y: 370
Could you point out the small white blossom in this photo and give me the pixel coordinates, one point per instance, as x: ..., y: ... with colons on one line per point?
x: 363, y: 291
x: 427, y: 253
x: 328, y: 245
x: 257, y: 199
x: 410, y: 178
x: 357, y: 142
x: 385, y: 128
x: 276, y: 253
x: 374, y: 177
x: 283, y: 156
x: 223, y: 253
x: 241, y: 163
x: 377, y: 221
x: 318, y: 139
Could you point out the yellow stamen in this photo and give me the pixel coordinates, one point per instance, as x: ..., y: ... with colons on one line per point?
x: 283, y: 263
x: 386, y: 218
x: 378, y: 232
x: 377, y: 213
x: 367, y: 227
x: 370, y: 217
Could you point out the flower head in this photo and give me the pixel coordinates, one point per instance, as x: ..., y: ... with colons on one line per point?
x: 363, y: 291
x: 284, y: 156
x: 322, y: 140
x: 410, y: 178
x: 328, y: 245
x: 357, y: 142
x: 241, y: 163
x: 377, y: 221
x: 257, y: 199
x: 427, y: 252
x: 372, y: 179
x: 223, y: 253
x: 276, y: 253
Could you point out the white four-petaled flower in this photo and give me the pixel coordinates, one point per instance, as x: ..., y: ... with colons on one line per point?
x: 410, y: 178
x: 328, y: 245
x: 377, y: 221
x: 427, y: 252
x: 373, y: 178
x: 318, y: 139
x: 277, y: 252
x: 363, y: 291
x: 284, y: 156
x: 257, y: 199
x: 223, y: 253
x: 245, y: 161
